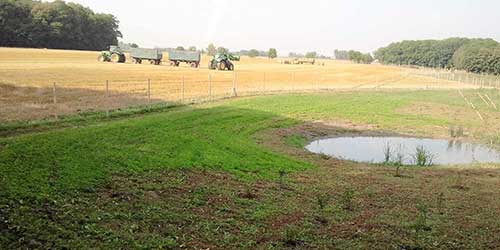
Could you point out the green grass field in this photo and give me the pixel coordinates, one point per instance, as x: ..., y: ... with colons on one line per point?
x: 233, y: 175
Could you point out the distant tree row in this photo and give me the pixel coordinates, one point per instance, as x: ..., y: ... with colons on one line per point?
x: 352, y: 55
x: 58, y: 25
x: 472, y: 55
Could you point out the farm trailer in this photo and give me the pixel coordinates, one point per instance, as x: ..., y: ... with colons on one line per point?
x: 154, y: 56
x: 192, y: 58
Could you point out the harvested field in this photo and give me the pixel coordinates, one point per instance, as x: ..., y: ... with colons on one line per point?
x: 27, y: 78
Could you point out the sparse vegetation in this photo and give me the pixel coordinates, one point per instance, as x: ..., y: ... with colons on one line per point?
x: 423, y: 157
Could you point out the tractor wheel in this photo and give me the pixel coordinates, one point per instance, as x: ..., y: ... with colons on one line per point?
x: 230, y: 66
x: 115, y: 58
x: 122, y: 59
x: 221, y: 66
x: 100, y: 58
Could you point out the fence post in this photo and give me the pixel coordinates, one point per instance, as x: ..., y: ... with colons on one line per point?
x: 264, y: 84
x: 234, y: 84
x: 54, y: 93
x: 107, y: 98
x: 182, y: 89
x: 209, y: 87
x: 149, y: 93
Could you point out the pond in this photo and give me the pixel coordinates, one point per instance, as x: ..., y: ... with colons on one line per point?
x: 373, y: 150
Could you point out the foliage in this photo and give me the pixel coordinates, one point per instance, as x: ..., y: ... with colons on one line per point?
x: 311, y: 54
x: 180, y: 48
x: 422, y: 157
x: 222, y: 50
x: 481, y: 56
x: 359, y: 57
x: 273, y: 53
x: 57, y: 24
x: 253, y: 53
x: 472, y: 55
x: 211, y: 50
x: 341, y: 54
x: 192, y: 48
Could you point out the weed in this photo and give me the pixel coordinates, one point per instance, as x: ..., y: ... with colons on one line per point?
x: 293, y: 236
x: 421, y: 223
x: 456, y: 131
x: 282, y: 174
x: 440, y: 202
x: 322, y: 199
x: 422, y: 157
x: 347, y: 199
x: 387, y: 153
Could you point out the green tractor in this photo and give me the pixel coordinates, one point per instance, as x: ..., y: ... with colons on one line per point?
x: 114, y: 55
x: 223, y: 62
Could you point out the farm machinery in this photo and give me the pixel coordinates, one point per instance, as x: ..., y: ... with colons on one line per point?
x: 223, y: 61
x: 192, y: 58
x: 114, y: 54
x: 154, y: 56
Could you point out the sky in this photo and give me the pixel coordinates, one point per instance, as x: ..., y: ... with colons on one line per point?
x: 298, y: 26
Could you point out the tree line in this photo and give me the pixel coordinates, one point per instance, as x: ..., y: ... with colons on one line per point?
x: 55, y: 25
x: 352, y: 55
x: 472, y: 55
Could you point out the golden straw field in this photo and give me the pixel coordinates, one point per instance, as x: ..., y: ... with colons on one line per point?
x: 31, y: 78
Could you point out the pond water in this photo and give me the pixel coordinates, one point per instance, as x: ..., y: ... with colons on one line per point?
x: 372, y: 149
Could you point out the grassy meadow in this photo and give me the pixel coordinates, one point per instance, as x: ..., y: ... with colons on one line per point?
x: 233, y: 174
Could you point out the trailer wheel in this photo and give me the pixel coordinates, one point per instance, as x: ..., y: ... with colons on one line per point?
x: 193, y: 65
x: 151, y: 61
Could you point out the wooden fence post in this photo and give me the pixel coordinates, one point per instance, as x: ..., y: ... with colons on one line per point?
x: 264, y: 84
x: 182, y: 89
x: 149, y: 92
x: 54, y: 93
x: 234, y: 84
x: 209, y: 87
x: 107, y: 98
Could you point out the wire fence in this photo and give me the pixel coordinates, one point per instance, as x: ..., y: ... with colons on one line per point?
x: 52, y: 100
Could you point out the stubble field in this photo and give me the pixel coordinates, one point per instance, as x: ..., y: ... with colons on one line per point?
x: 28, y: 77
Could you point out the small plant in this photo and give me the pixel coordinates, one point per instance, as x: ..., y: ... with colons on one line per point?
x: 282, y: 174
x: 347, y: 199
x: 322, y: 199
x: 421, y: 221
x: 440, y: 202
x: 422, y: 157
x: 387, y: 153
x: 456, y: 131
x: 293, y: 236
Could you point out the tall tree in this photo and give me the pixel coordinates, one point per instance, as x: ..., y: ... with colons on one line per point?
x: 211, y: 50
x: 273, y: 53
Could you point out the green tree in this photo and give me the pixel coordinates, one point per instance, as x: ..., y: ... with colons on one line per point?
x: 311, y: 54
x: 272, y: 53
x: 211, y: 50
x: 192, y: 48
x: 253, y: 53
x: 222, y: 50
x: 180, y: 48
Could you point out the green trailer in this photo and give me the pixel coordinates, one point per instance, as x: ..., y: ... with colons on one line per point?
x: 154, y: 56
x: 192, y: 58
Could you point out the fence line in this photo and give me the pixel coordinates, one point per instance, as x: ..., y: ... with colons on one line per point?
x: 115, y: 94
